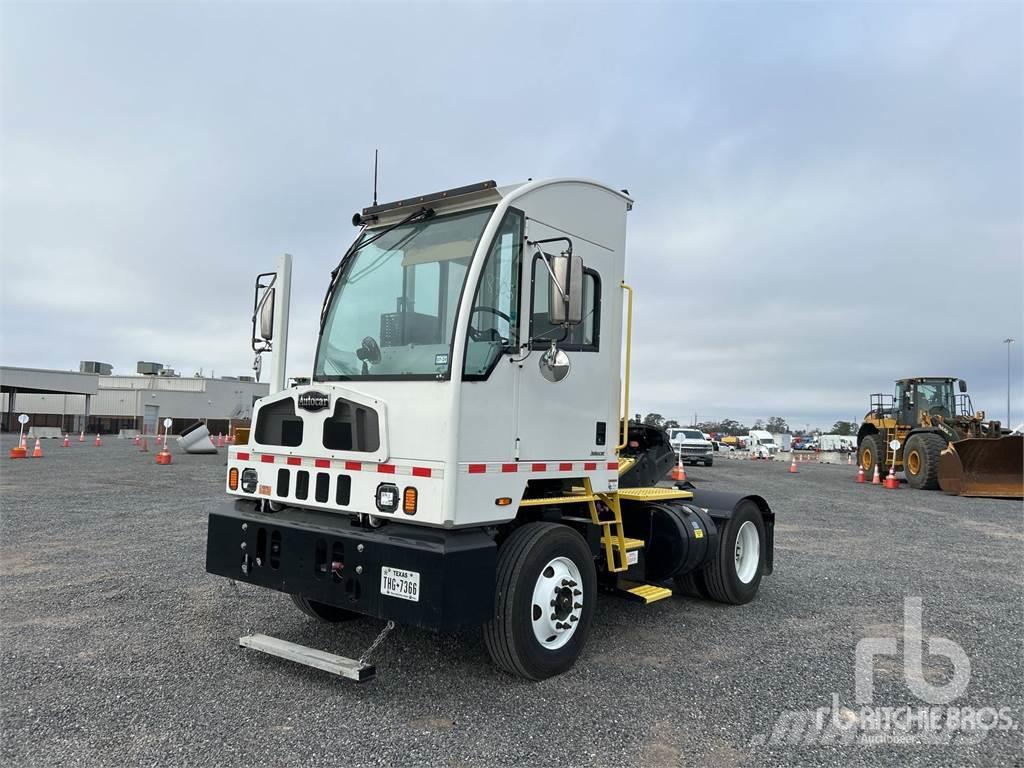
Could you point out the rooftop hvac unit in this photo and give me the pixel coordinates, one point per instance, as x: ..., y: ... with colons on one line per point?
x: 149, y: 369
x: 91, y: 366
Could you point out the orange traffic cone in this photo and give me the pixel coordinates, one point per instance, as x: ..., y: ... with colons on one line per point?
x: 98, y: 442
x: 849, y: 459
x: 67, y: 440
x: 678, y: 472
x: 875, y: 479
x: 220, y: 439
x: 81, y: 437
x: 23, y: 443
x: 18, y: 452
x: 164, y: 456
x: 138, y: 439
x: 37, y: 452
x: 792, y: 466
x: 860, y: 474
x: 891, y: 482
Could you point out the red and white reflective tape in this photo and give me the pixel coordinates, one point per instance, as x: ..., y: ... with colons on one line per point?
x: 339, y: 464
x: 539, y: 467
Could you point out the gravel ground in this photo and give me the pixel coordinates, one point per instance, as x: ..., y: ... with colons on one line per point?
x: 118, y: 649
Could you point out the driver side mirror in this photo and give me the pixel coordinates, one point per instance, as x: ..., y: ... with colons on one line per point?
x: 963, y: 385
x: 266, y: 306
x: 565, y: 307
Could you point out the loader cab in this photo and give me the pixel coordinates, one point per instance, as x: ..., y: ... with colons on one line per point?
x: 932, y: 396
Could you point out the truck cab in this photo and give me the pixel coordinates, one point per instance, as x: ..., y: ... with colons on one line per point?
x: 463, y: 425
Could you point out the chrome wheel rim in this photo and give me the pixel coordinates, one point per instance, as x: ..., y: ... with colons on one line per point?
x: 748, y: 552
x: 557, y: 603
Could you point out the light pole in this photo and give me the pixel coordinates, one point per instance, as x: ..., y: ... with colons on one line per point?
x: 1008, y: 342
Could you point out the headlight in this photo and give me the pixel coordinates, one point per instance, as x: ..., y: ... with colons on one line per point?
x: 249, y: 480
x: 387, y: 497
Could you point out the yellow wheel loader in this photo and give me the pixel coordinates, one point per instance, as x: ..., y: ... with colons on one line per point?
x: 943, y: 442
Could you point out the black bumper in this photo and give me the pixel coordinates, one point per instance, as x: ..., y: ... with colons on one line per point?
x: 298, y: 551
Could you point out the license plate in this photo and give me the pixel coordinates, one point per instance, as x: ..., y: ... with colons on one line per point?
x: 394, y: 582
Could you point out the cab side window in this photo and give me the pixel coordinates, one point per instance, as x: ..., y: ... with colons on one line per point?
x: 583, y: 337
x: 494, y: 319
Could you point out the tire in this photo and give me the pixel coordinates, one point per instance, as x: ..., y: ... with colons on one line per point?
x: 691, y: 585
x: 729, y: 578
x: 329, y: 614
x: 533, y: 562
x: 921, y: 460
x: 871, y: 452
x: 708, y: 462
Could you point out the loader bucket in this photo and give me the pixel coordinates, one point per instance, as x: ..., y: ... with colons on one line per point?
x: 984, y: 467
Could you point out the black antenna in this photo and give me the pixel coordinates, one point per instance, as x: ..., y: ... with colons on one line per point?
x: 375, y: 177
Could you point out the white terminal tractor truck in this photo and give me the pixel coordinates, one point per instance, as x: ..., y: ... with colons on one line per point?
x: 461, y: 455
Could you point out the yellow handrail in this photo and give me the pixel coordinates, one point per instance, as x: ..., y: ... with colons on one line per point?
x: 624, y: 426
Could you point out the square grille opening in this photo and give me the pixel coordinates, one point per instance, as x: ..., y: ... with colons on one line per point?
x: 352, y: 428
x: 302, y: 485
x: 277, y: 424
x: 343, y: 491
x: 323, y: 483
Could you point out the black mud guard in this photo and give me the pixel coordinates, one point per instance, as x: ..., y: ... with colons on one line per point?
x: 720, y: 506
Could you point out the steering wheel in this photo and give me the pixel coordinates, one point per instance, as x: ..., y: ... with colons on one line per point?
x: 491, y: 334
x: 368, y: 352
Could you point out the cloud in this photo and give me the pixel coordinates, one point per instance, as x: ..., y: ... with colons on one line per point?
x: 828, y: 196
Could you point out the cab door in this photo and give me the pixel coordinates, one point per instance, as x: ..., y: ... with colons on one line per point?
x: 571, y: 419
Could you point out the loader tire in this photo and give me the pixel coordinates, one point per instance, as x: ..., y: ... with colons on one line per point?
x: 329, y: 614
x: 921, y: 460
x: 871, y: 453
x: 544, y: 571
x: 734, y: 574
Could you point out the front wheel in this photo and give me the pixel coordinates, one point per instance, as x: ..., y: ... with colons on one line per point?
x: 708, y: 462
x: 544, y: 601
x: 921, y: 460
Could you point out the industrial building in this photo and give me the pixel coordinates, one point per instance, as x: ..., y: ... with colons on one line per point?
x: 96, y: 400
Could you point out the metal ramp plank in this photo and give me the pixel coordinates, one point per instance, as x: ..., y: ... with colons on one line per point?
x: 350, y: 669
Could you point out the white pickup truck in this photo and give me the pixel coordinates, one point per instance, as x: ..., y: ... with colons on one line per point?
x: 691, y: 446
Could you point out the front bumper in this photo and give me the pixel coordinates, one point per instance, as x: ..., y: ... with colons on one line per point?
x: 322, y: 556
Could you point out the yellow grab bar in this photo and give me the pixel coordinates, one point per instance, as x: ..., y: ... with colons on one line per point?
x: 624, y: 426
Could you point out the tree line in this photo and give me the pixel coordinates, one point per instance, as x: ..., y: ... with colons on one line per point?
x: 774, y: 424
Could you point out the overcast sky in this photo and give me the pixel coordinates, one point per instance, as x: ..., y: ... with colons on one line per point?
x: 828, y: 196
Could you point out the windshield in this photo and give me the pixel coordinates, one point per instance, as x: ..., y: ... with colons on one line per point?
x: 690, y: 434
x: 394, y: 308
x: 936, y: 397
x: 767, y: 441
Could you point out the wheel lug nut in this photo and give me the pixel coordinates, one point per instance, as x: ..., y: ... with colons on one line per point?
x: 577, y: 592
x: 577, y: 606
x: 574, y: 618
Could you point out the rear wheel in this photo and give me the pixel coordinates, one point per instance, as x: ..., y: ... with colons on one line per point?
x: 329, y: 614
x: 734, y: 575
x: 921, y: 460
x: 544, y: 601
x: 872, y: 453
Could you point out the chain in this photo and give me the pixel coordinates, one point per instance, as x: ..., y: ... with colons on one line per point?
x: 380, y: 639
